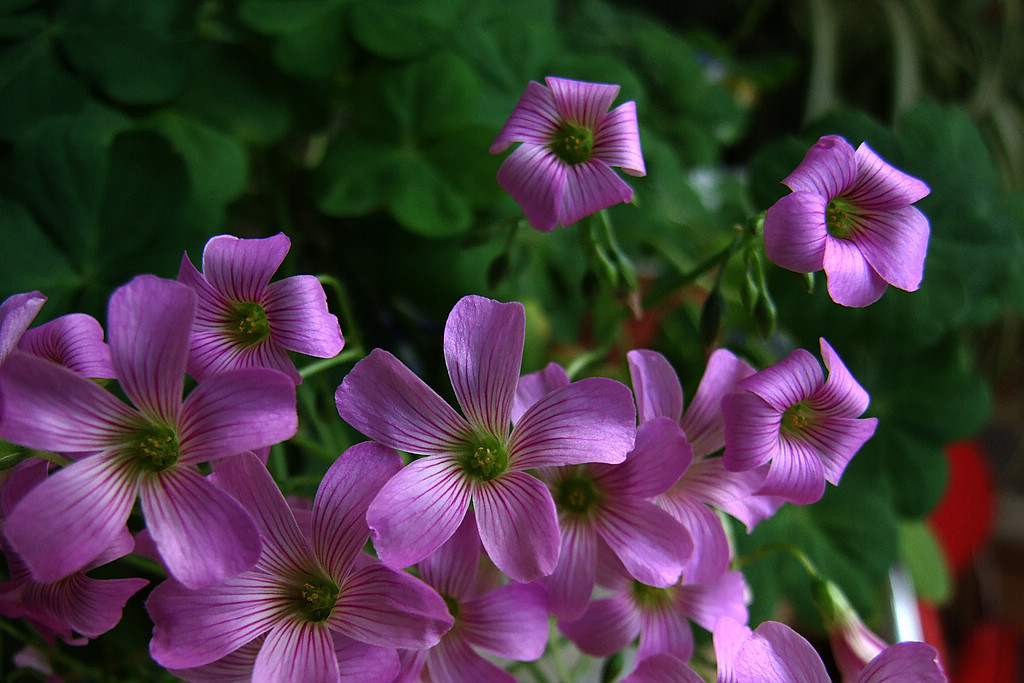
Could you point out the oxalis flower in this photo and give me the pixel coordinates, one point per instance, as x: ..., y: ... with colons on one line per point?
x: 562, y: 170
x: 149, y: 449
x: 244, y: 320
x: 804, y: 427
x: 311, y: 609
x: 850, y: 214
x: 477, y: 458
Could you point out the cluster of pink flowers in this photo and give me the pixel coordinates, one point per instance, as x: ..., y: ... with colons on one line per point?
x: 540, y: 497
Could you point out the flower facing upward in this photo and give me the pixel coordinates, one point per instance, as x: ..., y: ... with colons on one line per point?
x: 850, y: 214
x: 562, y: 170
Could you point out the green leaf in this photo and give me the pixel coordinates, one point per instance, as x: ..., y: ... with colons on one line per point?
x: 401, y: 29
x: 30, y: 261
x: 425, y: 203
x: 281, y: 17
x: 922, y: 555
x: 355, y: 176
x: 33, y: 85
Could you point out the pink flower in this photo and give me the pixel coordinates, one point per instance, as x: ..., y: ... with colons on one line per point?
x: 562, y: 170
x: 850, y: 214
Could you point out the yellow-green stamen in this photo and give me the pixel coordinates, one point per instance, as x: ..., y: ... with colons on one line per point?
x: 572, y: 144
x: 156, y: 448
x: 485, y: 459
x: 316, y: 598
x: 248, y: 322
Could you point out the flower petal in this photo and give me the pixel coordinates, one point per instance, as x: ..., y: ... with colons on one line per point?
x: 74, y: 341
x: 534, y: 386
x: 651, y: 544
x: 52, y: 408
x: 483, y: 350
x: 149, y: 322
x: 795, y: 232
x: 535, y: 178
x: 286, y: 552
x: 16, y: 313
x: 361, y: 662
x: 796, y: 474
x: 296, y: 308
x: 518, y: 525
x: 234, y: 667
x: 787, y: 382
x: 204, y: 536
x: 775, y: 653
x: 237, y: 411
x: 836, y: 440
x: 851, y: 279
x: 662, y: 668
x: 417, y: 510
x: 729, y: 636
x: 91, y: 606
x: 454, y: 661
x: 196, y: 627
x: 452, y: 568
x: 510, y: 621
x: 345, y: 493
x: 296, y: 651
x: 240, y: 269
x: 909, y: 661
x: 390, y: 608
x: 842, y: 395
x: 665, y: 631
x: 710, y: 482
x: 73, y: 517
x: 659, y: 457
x: 617, y: 140
x: 608, y: 625
x: 656, y: 385
x: 895, y: 244
x: 534, y: 119
x: 384, y: 400
x: 592, y: 420
x: 703, y: 423
x: 582, y: 103
x: 589, y: 187
x: 828, y: 169
x: 711, y: 553
x: 707, y: 603
x: 751, y: 431
x: 882, y: 187
x: 572, y: 583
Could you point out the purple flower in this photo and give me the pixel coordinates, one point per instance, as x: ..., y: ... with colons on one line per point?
x: 476, y: 459
x: 775, y: 653
x: 705, y: 482
x: 76, y: 604
x: 850, y: 214
x: 803, y: 427
x: 662, y: 668
x: 660, y: 616
x: 509, y: 621
x: 284, y: 619
x: 149, y: 450
x: 16, y: 313
x: 562, y: 170
x: 244, y: 321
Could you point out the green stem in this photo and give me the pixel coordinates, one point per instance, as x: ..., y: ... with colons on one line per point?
x: 799, y: 555
x: 683, y: 278
x: 346, y: 356
x: 348, y: 320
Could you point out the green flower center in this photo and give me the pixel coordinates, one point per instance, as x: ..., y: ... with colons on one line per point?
x: 156, y: 448
x: 452, y: 604
x: 577, y: 495
x: 572, y: 144
x: 796, y: 419
x: 485, y: 459
x: 248, y: 322
x: 841, y: 218
x: 649, y: 597
x: 316, y: 598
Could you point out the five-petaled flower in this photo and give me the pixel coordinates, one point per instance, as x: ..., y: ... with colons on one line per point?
x: 850, y: 214
x: 562, y: 170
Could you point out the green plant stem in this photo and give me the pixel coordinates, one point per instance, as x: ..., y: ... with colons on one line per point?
x: 787, y: 548
x: 683, y: 278
x: 346, y: 356
x: 348, y: 319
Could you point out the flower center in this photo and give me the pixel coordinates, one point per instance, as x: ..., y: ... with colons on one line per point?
x: 248, y: 322
x: 156, y: 448
x: 572, y: 144
x: 316, y: 598
x: 452, y: 604
x: 649, y: 597
x: 485, y: 459
x: 796, y: 418
x: 577, y: 495
x: 840, y: 218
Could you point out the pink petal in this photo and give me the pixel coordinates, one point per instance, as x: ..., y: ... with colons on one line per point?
x: 706, y: 604
x: 836, y: 440
x: 651, y: 544
x: 536, y: 179
x: 385, y: 401
x: 842, y: 395
x: 882, y: 187
x: 204, y: 536
x: 196, y: 627
x: 74, y: 341
x: 534, y: 119
x: 607, y: 626
x: 582, y: 103
x: 16, y: 313
x: 703, y: 423
x: 73, y: 517
x: 589, y: 187
x: 729, y: 636
x: 237, y: 411
x: 483, y: 350
x: 241, y: 268
x: 518, y: 525
x: 851, y: 279
x: 656, y: 385
x: 361, y: 662
x: 895, y: 244
x: 711, y: 552
x: 418, y: 510
x: 390, y: 608
x: 828, y: 169
x: 665, y: 631
x: 297, y: 651
x: 751, y: 431
x: 592, y: 420
x: 296, y: 308
x: 90, y: 606
x: 534, y: 386
x: 452, y: 568
x: 659, y: 457
x: 662, y: 668
x: 454, y: 661
x: 617, y: 140
x: 511, y: 621
x: 733, y: 492
x: 215, y: 351
x: 795, y: 232
x: 286, y: 552
x: 572, y: 583
x: 51, y: 408
x: 149, y: 321
x: 787, y: 382
x: 796, y: 474
x: 234, y: 667
x: 775, y: 653
x: 339, y: 510
x: 909, y: 661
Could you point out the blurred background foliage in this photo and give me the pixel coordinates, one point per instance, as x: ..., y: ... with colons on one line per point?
x: 133, y: 131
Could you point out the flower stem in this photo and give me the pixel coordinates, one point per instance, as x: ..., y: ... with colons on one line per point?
x: 346, y: 356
